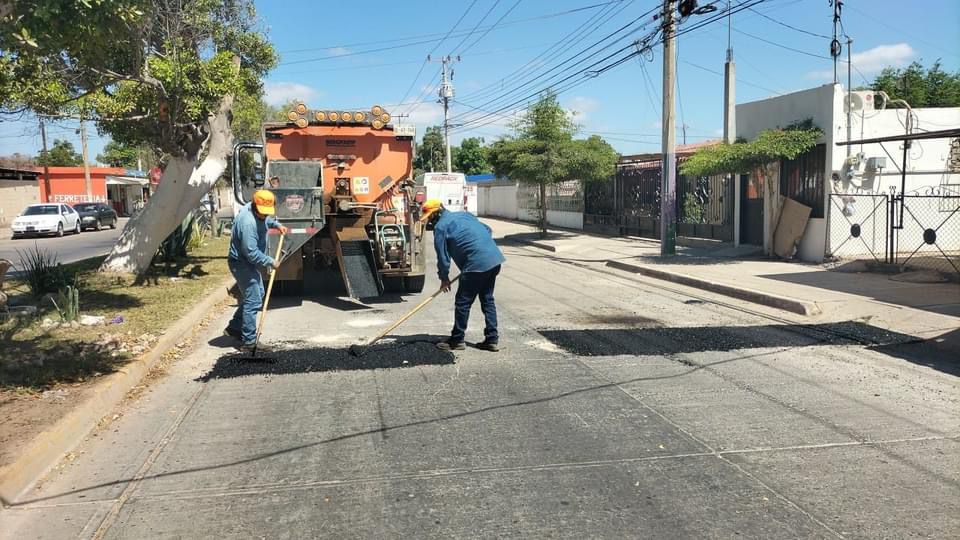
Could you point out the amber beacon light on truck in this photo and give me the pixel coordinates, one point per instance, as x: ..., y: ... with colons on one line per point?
x: 377, y: 117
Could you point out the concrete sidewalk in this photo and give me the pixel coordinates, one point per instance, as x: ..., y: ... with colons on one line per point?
x: 926, y: 310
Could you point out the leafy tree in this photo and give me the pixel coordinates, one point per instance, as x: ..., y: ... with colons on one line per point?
x: 471, y: 157
x: 119, y: 155
x: 160, y: 73
x: 430, y: 153
x: 61, y: 154
x: 932, y: 87
x: 544, y: 152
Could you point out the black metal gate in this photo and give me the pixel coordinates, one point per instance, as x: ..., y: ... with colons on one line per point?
x: 630, y: 205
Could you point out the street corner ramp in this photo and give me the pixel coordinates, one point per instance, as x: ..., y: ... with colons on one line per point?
x: 677, y: 340
x: 303, y: 357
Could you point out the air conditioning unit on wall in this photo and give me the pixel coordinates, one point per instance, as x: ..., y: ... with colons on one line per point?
x: 859, y: 100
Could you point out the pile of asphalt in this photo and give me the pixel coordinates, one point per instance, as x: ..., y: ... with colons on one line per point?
x: 307, y: 358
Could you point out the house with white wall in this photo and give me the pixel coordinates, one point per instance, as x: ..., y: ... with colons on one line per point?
x: 866, y: 169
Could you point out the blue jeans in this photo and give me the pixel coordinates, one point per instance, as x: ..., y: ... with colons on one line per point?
x: 472, y: 285
x: 250, y: 283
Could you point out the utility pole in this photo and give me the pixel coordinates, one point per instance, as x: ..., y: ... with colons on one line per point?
x: 668, y: 193
x: 849, y: 94
x: 86, y: 161
x: 446, y: 95
x: 835, y: 44
x: 729, y: 120
x: 729, y: 87
x: 46, y: 157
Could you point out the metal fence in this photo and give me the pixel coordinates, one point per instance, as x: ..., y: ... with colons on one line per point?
x: 630, y: 205
x: 563, y: 197
x: 918, y: 230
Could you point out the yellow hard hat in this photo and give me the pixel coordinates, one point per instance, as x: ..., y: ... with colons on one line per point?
x: 430, y: 207
x: 265, y: 202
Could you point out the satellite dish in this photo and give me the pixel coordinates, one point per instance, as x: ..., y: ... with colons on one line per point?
x: 853, y: 103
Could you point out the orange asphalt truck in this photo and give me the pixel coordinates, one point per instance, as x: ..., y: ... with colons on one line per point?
x: 343, y: 181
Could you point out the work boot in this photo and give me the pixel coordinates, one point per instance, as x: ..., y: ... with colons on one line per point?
x: 491, y: 346
x: 248, y: 348
x: 230, y: 332
x: 451, y: 346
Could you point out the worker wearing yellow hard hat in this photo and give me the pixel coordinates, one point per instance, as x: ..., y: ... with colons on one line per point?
x: 460, y: 236
x: 247, y: 256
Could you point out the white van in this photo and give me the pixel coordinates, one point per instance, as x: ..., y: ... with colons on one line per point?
x: 448, y: 187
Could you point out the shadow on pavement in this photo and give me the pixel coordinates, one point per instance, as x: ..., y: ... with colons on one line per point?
x: 307, y: 358
x: 942, y: 298
x: 664, y: 341
x: 941, y: 354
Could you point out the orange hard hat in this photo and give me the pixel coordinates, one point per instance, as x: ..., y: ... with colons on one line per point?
x: 265, y: 202
x: 430, y: 207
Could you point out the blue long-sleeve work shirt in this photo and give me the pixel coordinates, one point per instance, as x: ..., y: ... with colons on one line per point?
x: 462, y: 237
x: 248, y: 239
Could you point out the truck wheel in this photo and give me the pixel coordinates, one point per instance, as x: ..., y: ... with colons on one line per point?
x: 414, y: 284
x: 393, y: 285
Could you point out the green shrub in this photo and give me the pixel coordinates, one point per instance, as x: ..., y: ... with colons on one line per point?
x: 43, y: 272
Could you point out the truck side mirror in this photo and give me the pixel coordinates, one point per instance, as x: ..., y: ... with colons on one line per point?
x: 247, y: 170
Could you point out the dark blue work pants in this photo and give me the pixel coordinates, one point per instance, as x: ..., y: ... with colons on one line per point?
x: 473, y: 285
x: 250, y: 282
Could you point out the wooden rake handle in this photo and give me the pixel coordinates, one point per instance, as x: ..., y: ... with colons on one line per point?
x: 403, y: 319
x: 266, y: 298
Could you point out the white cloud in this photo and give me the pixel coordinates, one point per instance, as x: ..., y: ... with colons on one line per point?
x: 278, y: 93
x: 581, y: 107
x: 338, y: 51
x: 424, y: 116
x: 873, y: 60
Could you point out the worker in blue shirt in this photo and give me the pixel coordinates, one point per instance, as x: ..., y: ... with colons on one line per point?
x: 462, y: 237
x: 248, y: 244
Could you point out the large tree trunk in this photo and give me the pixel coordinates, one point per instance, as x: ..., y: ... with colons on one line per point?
x: 771, y: 203
x: 182, y: 185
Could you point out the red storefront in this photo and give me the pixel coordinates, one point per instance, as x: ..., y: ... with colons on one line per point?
x: 119, y: 187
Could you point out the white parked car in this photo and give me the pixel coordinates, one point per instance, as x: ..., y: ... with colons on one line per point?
x: 52, y: 218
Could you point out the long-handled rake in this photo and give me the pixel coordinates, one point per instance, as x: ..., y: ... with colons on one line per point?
x: 360, y: 350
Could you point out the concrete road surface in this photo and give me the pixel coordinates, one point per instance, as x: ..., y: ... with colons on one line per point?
x: 68, y: 248
x: 620, y: 407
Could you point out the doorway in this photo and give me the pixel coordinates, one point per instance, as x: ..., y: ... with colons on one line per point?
x: 751, y: 211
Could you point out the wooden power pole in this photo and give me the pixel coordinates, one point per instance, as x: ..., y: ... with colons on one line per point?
x: 668, y: 194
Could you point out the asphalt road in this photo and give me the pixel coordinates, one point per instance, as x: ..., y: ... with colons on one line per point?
x: 620, y: 407
x: 68, y: 248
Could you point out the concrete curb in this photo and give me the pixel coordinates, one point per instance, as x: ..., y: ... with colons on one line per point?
x: 49, y: 447
x: 532, y: 243
x: 793, y: 305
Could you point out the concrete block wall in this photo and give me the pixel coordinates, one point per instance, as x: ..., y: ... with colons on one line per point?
x: 14, y: 196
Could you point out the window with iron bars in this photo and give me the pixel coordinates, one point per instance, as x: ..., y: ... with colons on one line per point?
x: 802, y: 179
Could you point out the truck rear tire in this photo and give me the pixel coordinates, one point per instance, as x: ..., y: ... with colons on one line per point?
x: 414, y: 284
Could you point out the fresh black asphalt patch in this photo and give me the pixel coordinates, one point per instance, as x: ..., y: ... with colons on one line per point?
x: 309, y: 359
x: 661, y: 341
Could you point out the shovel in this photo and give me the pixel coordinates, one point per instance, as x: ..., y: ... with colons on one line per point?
x: 360, y: 350
x: 266, y: 298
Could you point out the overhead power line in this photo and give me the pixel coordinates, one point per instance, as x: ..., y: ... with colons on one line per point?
x: 781, y: 23
x: 534, y: 64
x: 427, y: 38
x: 586, y: 73
x: 622, y: 32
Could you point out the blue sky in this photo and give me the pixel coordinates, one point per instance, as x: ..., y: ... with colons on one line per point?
x: 354, y: 54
